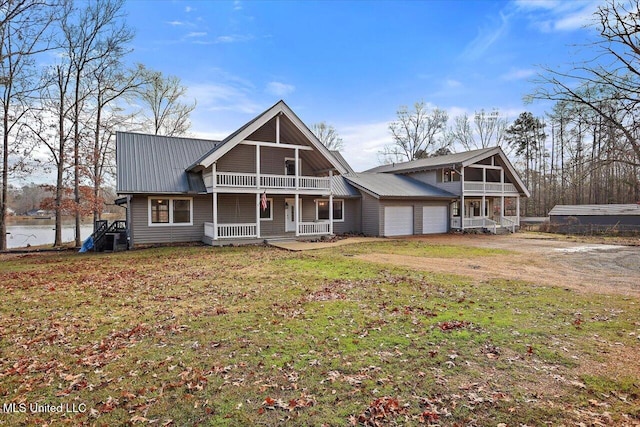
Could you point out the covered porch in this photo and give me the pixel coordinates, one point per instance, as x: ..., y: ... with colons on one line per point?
x: 262, y: 216
x: 489, y: 213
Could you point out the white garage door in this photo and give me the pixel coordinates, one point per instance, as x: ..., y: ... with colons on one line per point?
x: 398, y: 220
x: 434, y: 219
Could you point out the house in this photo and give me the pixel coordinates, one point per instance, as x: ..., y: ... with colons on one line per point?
x: 272, y: 178
x: 580, y: 218
x: 486, y: 187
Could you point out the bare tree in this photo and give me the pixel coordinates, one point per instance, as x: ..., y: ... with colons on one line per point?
x: 95, y: 34
x: 328, y: 136
x: 23, y: 28
x: 416, y: 133
x: 612, y: 77
x: 490, y: 127
x: 162, y: 97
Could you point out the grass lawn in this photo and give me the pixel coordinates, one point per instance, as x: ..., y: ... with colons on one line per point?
x: 259, y: 336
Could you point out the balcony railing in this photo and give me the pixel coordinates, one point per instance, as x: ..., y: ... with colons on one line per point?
x: 471, y: 187
x: 233, y: 179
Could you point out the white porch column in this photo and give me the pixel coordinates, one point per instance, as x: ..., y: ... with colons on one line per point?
x: 278, y: 129
x: 258, y: 206
x: 258, y: 165
x: 215, y: 201
x: 518, y: 209
x: 296, y: 214
x: 502, y: 196
x: 331, y: 205
x: 215, y: 215
x: 462, y: 198
x: 296, y: 166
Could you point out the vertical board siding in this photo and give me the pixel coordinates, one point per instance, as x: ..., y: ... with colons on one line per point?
x: 274, y: 227
x: 143, y: 234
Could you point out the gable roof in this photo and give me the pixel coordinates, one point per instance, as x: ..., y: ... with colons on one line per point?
x: 381, y: 185
x: 256, y: 123
x: 463, y: 159
x: 156, y: 164
x: 341, y: 187
x: 595, y: 210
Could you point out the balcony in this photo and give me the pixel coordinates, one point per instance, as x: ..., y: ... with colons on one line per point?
x: 249, y: 180
x: 479, y: 188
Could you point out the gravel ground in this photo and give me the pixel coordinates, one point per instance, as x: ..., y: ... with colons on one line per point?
x: 608, y: 268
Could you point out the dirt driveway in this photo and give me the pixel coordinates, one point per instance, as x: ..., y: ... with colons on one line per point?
x: 588, y: 267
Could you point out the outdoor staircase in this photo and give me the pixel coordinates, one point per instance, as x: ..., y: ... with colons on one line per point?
x: 110, y: 238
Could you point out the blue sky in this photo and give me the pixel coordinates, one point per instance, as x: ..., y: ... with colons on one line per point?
x: 352, y: 64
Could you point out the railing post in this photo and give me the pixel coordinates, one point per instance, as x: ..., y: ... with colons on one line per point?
x: 296, y: 215
x: 331, y: 204
x: 258, y: 206
x: 215, y: 215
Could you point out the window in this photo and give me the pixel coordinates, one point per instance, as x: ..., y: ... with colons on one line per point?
x: 170, y: 211
x: 267, y: 214
x: 450, y: 175
x: 455, y: 208
x: 181, y: 211
x: 159, y: 211
x: 322, y: 210
x: 289, y: 166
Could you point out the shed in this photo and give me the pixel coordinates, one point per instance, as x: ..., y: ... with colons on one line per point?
x: 576, y: 218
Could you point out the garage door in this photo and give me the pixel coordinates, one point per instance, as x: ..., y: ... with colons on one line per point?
x: 434, y: 219
x: 398, y: 220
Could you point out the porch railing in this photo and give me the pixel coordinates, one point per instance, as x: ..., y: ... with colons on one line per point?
x: 508, y: 223
x: 489, y: 187
x: 234, y: 179
x: 231, y: 231
x: 311, y: 228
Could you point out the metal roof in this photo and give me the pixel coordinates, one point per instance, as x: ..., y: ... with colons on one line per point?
x: 388, y: 185
x: 338, y: 156
x: 434, y: 162
x: 341, y: 187
x: 156, y: 164
x: 594, y: 210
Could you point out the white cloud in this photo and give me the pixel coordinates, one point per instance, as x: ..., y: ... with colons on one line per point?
x: 548, y: 16
x: 223, y: 97
x: 451, y: 83
x: 279, y: 89
x: 234, y: 38
x: 196, y: 34
x: 519, y: 74
x: 175, y: 23
x: 188, y: 9
x: 363, y: 142
x: 237, y: 5
x: 487, y: 37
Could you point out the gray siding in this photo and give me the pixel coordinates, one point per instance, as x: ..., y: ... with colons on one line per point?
x: 242, y: 159
x: 236, y: 208
x: 371, y: 215
x: 431, y: 178
x: 141, y: 233
x: 604, y: 220
x: 352, y: 218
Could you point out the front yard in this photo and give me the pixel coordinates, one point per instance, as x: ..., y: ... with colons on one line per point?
x: 260, y: 336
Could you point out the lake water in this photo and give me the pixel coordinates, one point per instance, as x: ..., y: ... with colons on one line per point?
x: 42, y: 234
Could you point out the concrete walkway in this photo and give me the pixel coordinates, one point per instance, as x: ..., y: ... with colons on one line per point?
x: 307, y: 246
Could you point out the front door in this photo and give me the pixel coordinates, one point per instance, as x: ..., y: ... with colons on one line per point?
x: 290, y: 215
